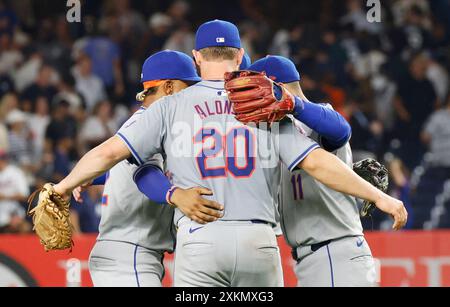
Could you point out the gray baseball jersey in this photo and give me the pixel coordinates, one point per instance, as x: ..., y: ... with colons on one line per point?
x: 312, y: 213
x: 206, y: 146
x: 127, y: 215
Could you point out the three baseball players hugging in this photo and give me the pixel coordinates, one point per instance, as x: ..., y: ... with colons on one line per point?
x: 231, y: 183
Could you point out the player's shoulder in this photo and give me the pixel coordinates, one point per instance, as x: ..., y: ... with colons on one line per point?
x: 134, y: 117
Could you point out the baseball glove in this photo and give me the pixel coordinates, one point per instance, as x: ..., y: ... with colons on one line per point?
x: 51, y: 219
x: 256, y: 98
x: 375, y: 173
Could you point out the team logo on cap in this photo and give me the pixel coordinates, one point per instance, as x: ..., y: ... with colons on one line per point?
x: 220, y: 40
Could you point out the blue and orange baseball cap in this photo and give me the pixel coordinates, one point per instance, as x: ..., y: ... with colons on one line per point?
x: 217, y: 33
x: 280, y: 68
x: 246, y: 62
x: 167, y: 65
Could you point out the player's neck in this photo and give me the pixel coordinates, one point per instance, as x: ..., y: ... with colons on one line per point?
x: 213, y: 71
x: 148, y: 101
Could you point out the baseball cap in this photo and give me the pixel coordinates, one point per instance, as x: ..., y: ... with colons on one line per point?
x: 246, y: 62
x: 167, y: 65
x: 281, y: 68
x: 217, y: 33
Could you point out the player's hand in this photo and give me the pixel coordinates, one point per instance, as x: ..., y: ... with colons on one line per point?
x: 64, y: 193
x: 395, y: 208
x: 78, y: 191
x: 197, y: 208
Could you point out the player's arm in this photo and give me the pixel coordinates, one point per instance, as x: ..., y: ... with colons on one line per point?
x: 332, y: 172
x: 140, y: 140
x: 95, y: 163
x: 331, y: 126
x: 151, y: 181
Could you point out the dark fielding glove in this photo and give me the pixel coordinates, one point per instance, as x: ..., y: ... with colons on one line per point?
x: 375, y: 173
x: 256, y: 98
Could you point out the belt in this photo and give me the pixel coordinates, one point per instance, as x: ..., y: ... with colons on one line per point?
x: 314, y: 248
x: 259, y: 222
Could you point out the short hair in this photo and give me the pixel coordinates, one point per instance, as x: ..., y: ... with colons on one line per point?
x: 219, y: 53
x: 294, y: 86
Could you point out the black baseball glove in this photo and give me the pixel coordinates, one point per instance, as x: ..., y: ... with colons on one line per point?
x: 375, y: 173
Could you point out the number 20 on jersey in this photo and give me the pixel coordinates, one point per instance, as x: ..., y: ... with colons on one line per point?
x: 228, y: 147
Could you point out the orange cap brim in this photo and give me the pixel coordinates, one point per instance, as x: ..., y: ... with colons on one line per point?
x: 154, y: 83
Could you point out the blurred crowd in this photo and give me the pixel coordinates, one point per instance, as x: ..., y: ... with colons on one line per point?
x: 66, y: 87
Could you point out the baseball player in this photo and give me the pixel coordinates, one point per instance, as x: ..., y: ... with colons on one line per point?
x: 322, y: 226
x: 134, y: 232
x: 206, y: 146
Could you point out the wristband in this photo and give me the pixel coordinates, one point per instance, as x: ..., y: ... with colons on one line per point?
x: 169, y: 196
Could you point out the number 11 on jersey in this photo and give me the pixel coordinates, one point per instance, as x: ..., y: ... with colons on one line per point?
x: 297, y: 187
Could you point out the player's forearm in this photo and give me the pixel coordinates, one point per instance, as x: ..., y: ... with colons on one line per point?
x: 152, y: 182
x: 95, y: 163
x: 329, y: 124
x: 332, y: 172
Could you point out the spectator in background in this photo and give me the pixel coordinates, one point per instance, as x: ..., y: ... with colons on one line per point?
x: 8, y: 19
x: 43, y: 86
x: 106, y: 63
x: 19, y: 136
x: 99, y: 127
x: 37, y: 123
x: 415, y: 102
x: 86, y: 217
x: 13, y: 191
x: 131, y: 22
x: 4, y: 140
x: 27, y: 73
x: 88, y: 84
x: 438, y: 77
x: 160, y: 26
x: 178, y: 12
x: 312, y: 90
x: 62, y: 125
x: 414, y: 34
x: 384, y: 92
x: 8, y: 103
x: 67, y: 92
x: 62, y: 158
x: 436, y: 135
x: 181, y: 40
x: 10, y: 56
x: 367, y: 130
x: 55, y: 42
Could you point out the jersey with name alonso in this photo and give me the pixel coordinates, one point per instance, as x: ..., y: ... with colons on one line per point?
x: 205, y: 146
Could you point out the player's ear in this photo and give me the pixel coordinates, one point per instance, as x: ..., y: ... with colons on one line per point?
x: 196, y: 56
x: 169, y: 87
x: 240, y: 56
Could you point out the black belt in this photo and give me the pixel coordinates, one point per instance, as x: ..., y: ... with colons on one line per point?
x: 260, y: 222
x: 314, y: 248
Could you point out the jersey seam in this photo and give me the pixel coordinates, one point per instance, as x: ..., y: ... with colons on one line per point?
x: 303, y: 156
x: 210, y: 87
x: 133, y: 151
x: 331, y: 266
x: 135, y: 268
